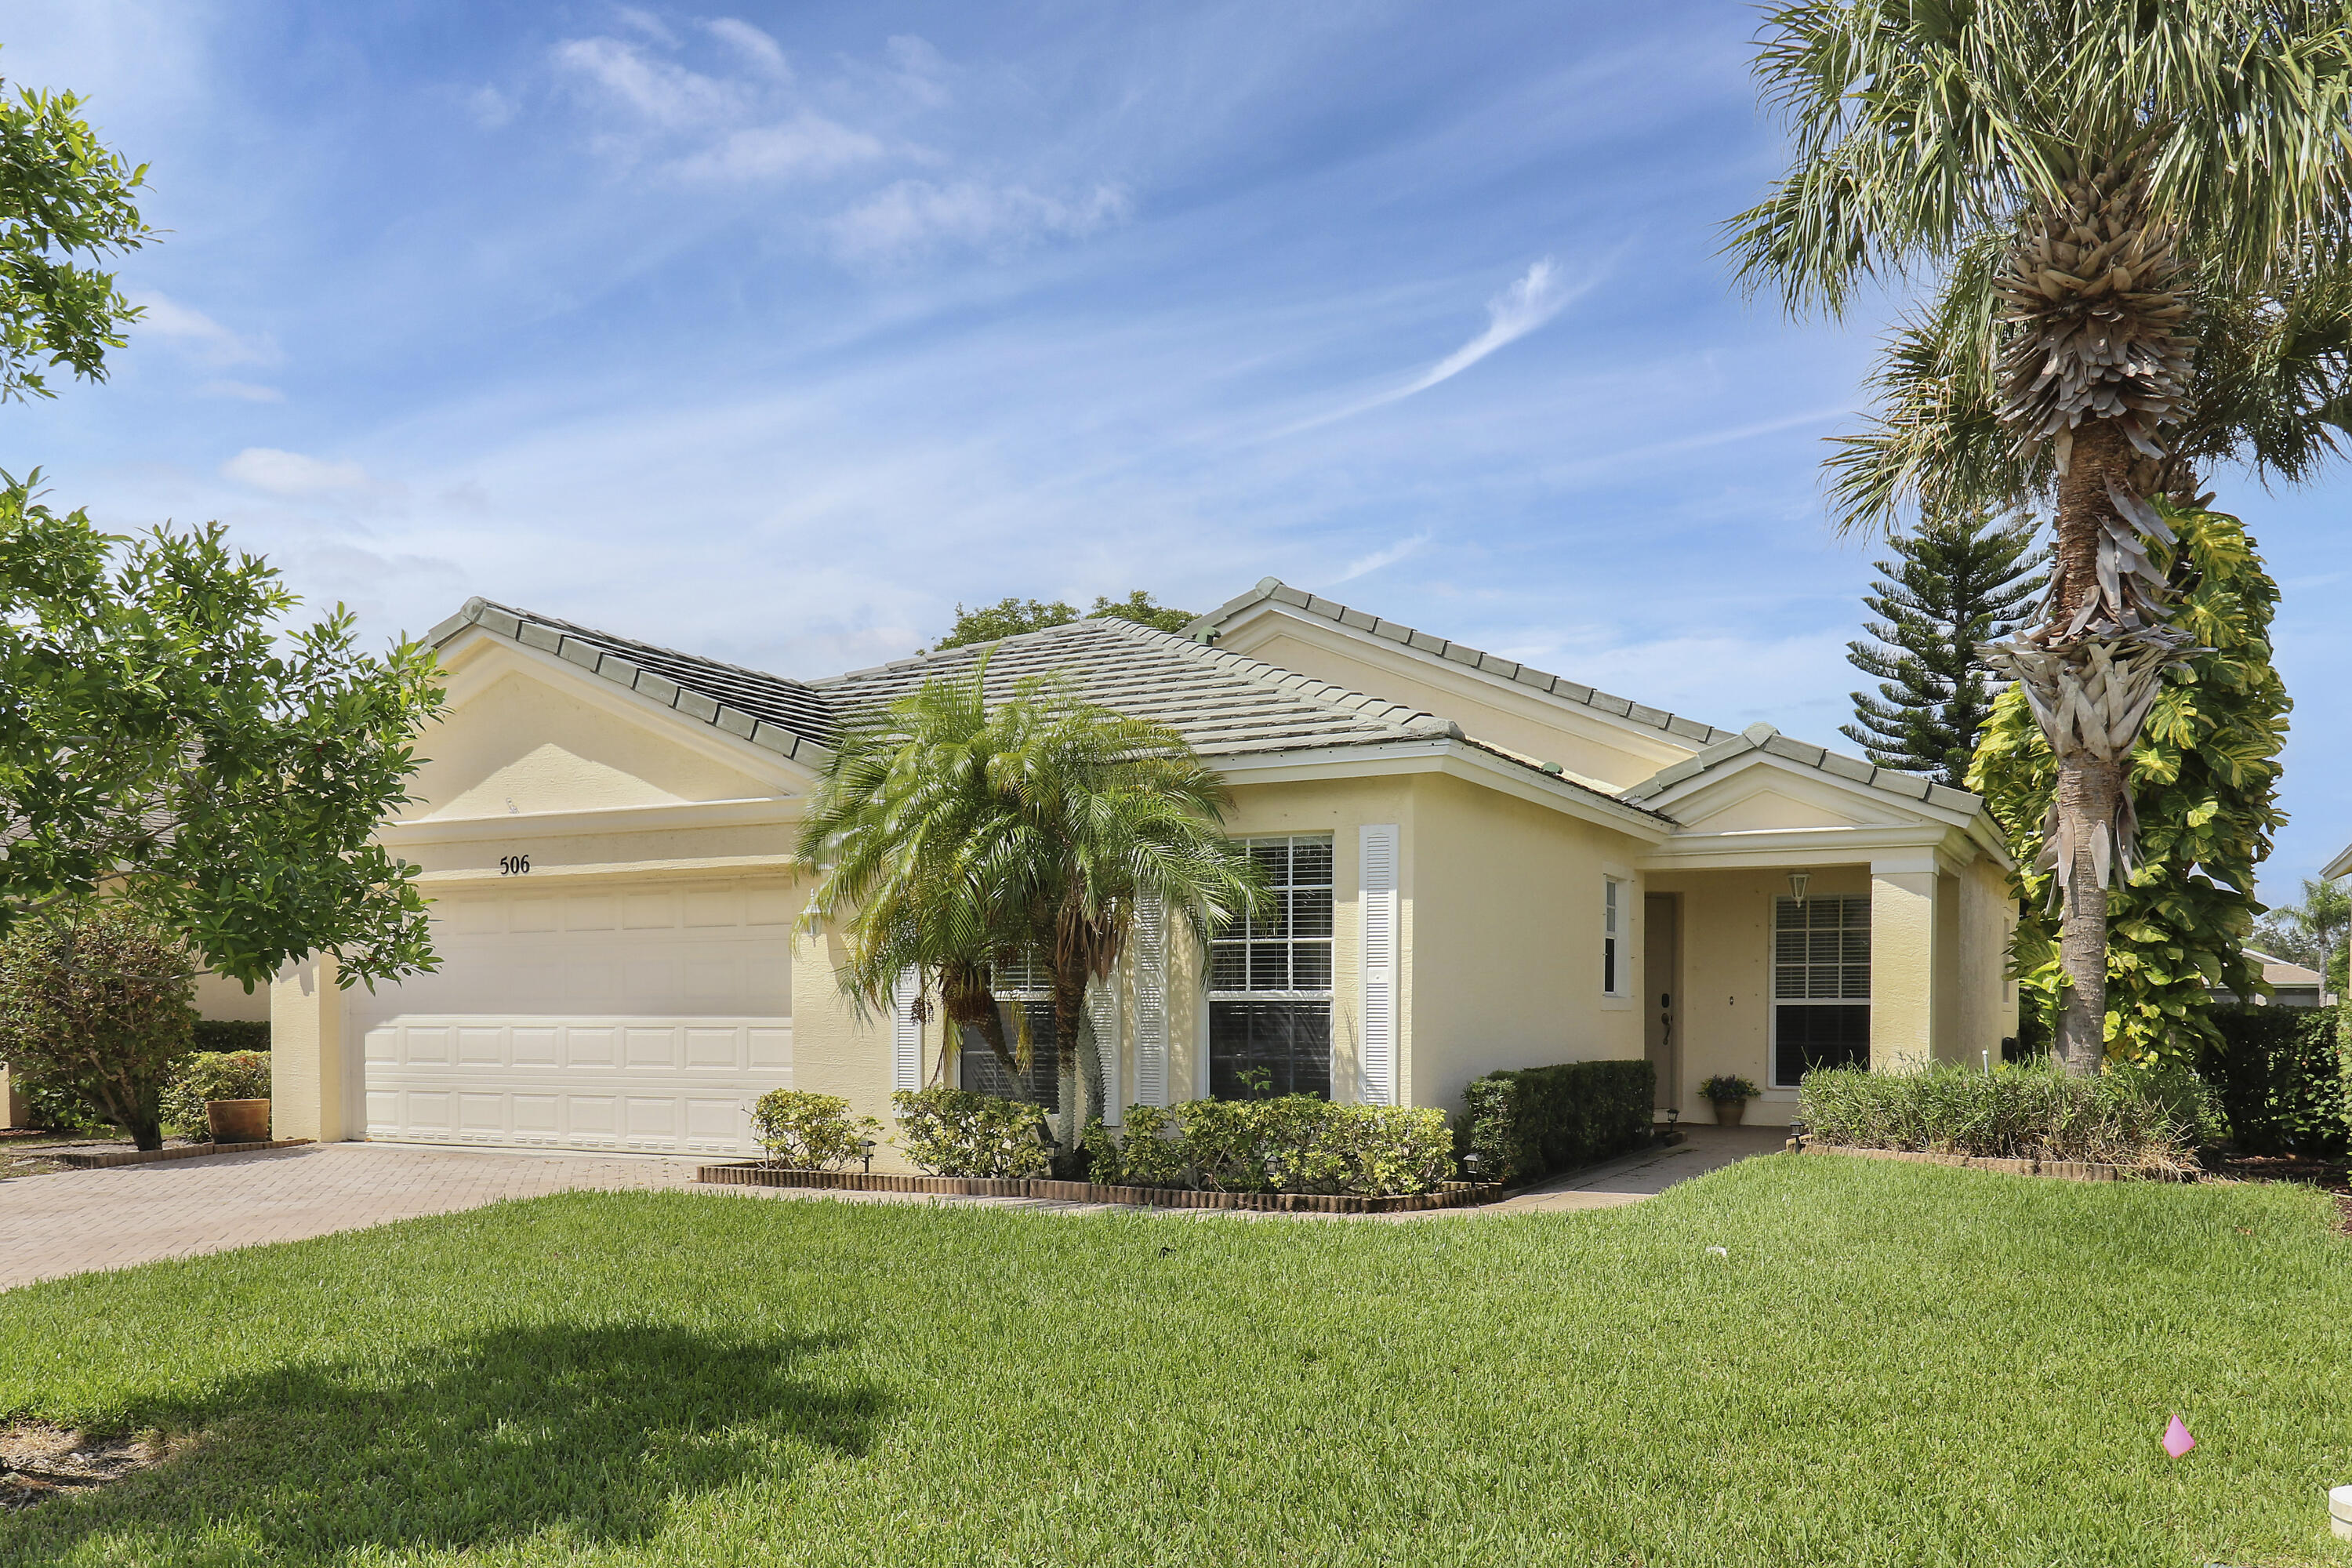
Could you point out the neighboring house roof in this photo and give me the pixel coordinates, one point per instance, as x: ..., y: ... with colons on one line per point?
x: 2339, y: 867
x: 782, y: 716
x: 1675, y: 724
x: 2284, y: 971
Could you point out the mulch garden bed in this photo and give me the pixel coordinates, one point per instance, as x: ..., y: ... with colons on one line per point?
x: 38, y: 1462
x: 758, y: 1174
x: 2329, y: 1175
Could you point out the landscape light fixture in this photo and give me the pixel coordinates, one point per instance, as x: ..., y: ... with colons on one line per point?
x: 1797, y: 882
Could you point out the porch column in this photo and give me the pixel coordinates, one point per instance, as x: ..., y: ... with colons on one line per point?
x: 306, y: 1052
x: 1902, y: 961
x: 12, y: 1101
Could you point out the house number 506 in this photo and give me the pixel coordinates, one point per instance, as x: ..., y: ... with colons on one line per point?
x: 514, y: 864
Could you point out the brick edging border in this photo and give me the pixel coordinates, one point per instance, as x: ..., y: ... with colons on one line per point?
x: 752, y: 1174
x: 187, y: 1151
x: 2066, y: 1170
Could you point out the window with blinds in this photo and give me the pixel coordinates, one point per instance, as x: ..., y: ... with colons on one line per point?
x: 1021, y: 991
x: 1820, y: 984
x: 1270, y: 981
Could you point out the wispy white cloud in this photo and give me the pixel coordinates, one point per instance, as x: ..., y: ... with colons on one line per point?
x: 915, y: 214
x: 805, y: 144
x: 619, y: 74
x: 757, y: 47
x: 293, y: 474
x: 191, y: 328
x: 1535, y: 299
x: 491, y: 109
x: 1364, y: 565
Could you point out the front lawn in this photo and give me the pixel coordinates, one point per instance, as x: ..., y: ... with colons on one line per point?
x: 1888, y: 1364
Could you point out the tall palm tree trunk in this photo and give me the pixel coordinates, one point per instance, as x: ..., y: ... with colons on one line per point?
x: 2094, y: 368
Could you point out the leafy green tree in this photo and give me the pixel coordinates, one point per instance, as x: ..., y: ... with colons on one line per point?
x: 97, y: 1000
x: 2082, y: 173
x: 162, y: 740
x: 1955, y: 583
x: 954, y: 838
x: 1012, y: 616
x: 2203, y: 772
x: 2311, y: 932
x: 65, y: 201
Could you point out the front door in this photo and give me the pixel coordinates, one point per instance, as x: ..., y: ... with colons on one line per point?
x: 1661, y: 950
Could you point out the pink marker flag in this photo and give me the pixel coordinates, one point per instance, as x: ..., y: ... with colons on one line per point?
x: 2176, y: 1440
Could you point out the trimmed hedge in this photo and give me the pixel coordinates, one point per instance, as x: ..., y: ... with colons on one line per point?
x: 1292, y: 1144
x: 2280, y: 1077
x: 222, y: 1035
x: 2150, y: 1119
x: 1525, y: 1124
x: 804, y: 1131
x: 959, y: 1132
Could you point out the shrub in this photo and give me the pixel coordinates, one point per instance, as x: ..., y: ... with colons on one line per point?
x: 955, y: 1133
x: 211, y: 1075
x: 2148, y: 1120
x: 1292, y: 1144
x: 2279, y: 1074
x: 1526, y: 1122
x: 1728, y: 1086
x: 231, y: 1034
x: 803, y: 1131
x: 51, y: 1108
x: 94, y: 1000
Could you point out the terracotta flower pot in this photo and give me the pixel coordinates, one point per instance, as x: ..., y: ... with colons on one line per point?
x: 1730, y: 1112
x: 238, y: 1121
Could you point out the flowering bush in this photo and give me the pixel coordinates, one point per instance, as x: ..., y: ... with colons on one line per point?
x: 803, y: 1131
x: 955, y: 1133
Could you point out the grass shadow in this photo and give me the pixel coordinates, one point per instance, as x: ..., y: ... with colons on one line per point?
x: 590, y: 1433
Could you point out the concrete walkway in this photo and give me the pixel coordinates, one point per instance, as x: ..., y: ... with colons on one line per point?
x: 1633, y: 1177
x: 77, y: 1221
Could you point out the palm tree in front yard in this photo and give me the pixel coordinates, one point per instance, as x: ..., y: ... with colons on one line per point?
x: 2121, y: 198
x: 959, y: 841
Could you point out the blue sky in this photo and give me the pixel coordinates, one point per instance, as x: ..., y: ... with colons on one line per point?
x: 773, y: 331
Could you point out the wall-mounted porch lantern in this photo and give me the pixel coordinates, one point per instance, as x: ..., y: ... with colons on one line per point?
x: 1796, y: 884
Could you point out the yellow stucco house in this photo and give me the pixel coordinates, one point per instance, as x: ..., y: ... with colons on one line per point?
x: 1481, y: 865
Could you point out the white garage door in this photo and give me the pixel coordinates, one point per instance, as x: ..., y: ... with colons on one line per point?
x: 642, y: 1017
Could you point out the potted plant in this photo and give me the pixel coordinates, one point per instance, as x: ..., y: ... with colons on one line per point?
x: 221, y: 1094
x: 1729, y: 1094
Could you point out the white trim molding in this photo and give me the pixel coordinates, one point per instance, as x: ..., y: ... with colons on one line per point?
x: 1375, y: 879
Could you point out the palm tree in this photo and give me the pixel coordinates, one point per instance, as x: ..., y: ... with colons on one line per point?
x: 899, y: 832
x: 2106, y: 186
x: 1109, y: 814
x: 964, y: 840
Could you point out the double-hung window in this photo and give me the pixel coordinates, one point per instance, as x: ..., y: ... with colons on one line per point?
x: 1613, y: 978
x: 1270, y: 980
x: 1023, y: 991
x: 1821, y: 985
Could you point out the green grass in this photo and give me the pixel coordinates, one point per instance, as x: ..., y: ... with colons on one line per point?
x: 1892, y: 1365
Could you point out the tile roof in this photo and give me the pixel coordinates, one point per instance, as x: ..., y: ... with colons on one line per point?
x: 1764, y: 738
x: 1675, y: 724
x: 783, y: 716
x: 1225, y: 704
x: 1717, y: 745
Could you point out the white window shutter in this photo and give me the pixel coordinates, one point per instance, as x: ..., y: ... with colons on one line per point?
x: 1375, y: 876
x: 1102, y: 1001
x: 905, y: 1036
x: 1150, y: 1003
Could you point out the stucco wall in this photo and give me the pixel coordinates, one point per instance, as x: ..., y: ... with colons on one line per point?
x: 1507, y: 948
x: 228, y: 1001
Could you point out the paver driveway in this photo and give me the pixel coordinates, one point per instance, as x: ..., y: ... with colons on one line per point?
x: 76, y: 1221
